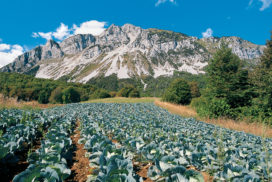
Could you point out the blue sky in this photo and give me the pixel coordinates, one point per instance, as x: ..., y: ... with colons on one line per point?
x: 27, y: 23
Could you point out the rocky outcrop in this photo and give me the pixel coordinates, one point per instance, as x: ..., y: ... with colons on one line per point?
x: 128, y: 51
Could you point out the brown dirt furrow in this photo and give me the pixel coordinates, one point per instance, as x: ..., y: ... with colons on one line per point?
x: 80, y: 168
x: 207, y: 177
x: 141, y: 169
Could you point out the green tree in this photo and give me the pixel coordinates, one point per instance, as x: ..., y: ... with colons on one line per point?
x: 43, y: 97
x: 100, y: 94
x: 178, y: 92
x: 194, y: 89
x: 264, y: 79
x: 227, y: 83
x: 124, y: 92
x: 70, y: 95
x: 134, y: 93
x: 56, y: 95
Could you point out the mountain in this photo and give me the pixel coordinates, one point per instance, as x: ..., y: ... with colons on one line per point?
x: 127, y: 51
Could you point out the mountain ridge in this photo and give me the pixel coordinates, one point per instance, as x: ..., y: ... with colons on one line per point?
x: 128, y: 51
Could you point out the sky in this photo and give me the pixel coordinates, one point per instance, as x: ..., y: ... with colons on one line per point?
x: 25, y: 24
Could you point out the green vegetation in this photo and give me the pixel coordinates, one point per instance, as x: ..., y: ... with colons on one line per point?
x: 100, y: 93
x: 28, y: 88
x: 179, y: 92
x: 128, y: 91
x: 263, y: 82
x: 236, y: 91
x: 70, y: 95
x: 228, y: 88
x: 165, y: 35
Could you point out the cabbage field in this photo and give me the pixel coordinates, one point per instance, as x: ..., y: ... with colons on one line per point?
x: 119, y: 138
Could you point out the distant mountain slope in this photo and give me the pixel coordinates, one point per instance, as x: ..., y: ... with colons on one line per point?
x: 127, y: 51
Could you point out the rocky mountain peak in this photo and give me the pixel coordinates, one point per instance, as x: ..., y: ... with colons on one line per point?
x: 127, y: 51
x: 77, y: 43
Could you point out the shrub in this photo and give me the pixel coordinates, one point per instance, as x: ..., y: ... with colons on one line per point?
x: 194, y: 89
x: 178, y: 92
x: 56, y: 96
x: 113, y: 94
x: 43, y: 97
x: 214, y: 107
x: 124, y: 92
x: 70, y: 95
x: 218, y: 107
x: 134, y: 93
x: 100, y: 94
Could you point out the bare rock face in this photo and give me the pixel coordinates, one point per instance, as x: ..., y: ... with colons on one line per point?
x: 77, y: 43
x: 51, y: 50
x: 128, y: 51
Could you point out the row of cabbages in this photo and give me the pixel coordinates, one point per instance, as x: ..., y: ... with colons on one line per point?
x: 174, y: 143
x: 19, y: 136
x: 109, y: 161
x: 11, y: 117
x: 49, y: 162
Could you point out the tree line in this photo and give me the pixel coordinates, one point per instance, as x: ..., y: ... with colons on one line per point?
x: 28, y: 88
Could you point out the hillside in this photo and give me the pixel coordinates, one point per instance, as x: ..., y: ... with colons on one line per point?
x: 127, y: 51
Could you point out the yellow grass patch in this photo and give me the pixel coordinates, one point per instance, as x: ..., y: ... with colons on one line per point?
x: 13, y: 103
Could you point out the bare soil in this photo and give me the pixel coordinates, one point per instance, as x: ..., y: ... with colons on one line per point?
x: 207, y: 177
x: 80, y: 168
x: 141, y: 169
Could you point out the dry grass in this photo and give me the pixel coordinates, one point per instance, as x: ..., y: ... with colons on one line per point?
x: 13, y: 103
x: 186, y: 111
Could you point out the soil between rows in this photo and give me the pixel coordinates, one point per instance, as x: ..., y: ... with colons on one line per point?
x: 80, y: 167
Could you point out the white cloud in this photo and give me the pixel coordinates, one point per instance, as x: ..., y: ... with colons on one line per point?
x: 46, y: 36
x: 164, y: 1
x: 35, y: 35
x: 208, y: 33
x: 62, y: 32
x: 4, y: 47
x: 9, y: 52
x: 90, y: 27
x: 265, y: 4
x: 250, y: 2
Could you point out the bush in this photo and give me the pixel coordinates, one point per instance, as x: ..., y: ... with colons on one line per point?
x: 125, y: 92
x: 134, y: 93
x: 194, y: 89
x: 113, y: 94
x: 179, y: 92
x: 43, y: 97
x: 214, y: 108
x: 70, y: 95
x: 56, y: 96
x: 218, y: 107
x: 100, y: 94
x: 200, y: 105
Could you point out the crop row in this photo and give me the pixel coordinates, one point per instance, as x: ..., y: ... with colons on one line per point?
x: 173, y: 143
x: 19, y: 134
x: 49, y: 162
